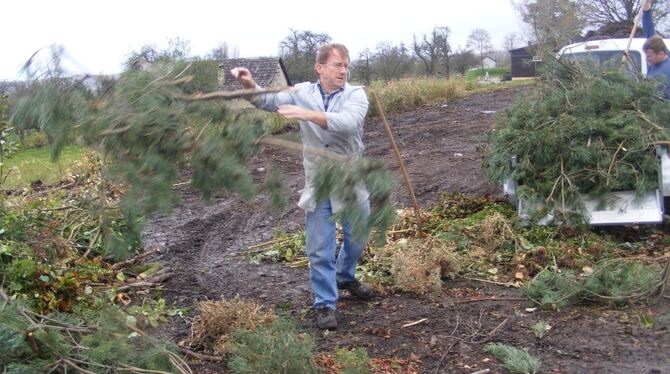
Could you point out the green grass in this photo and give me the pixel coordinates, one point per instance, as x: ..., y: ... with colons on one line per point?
x: 30, y: 165
x: 493, y: 72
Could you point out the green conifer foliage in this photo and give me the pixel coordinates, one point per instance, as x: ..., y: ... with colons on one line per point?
x: 100, y: 342
x: 341, y: 181
x: 143, y: 127
x: 581, y: 130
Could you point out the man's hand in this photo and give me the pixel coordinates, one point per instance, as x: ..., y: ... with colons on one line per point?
x: 296, y: 112
x: 243, y: 76
x: 646, y: 5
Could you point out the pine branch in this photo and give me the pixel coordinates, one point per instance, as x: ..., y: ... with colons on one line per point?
x: 300, y: 147
x: 229, y: 95
x: 646, y: 119
x: 75, y: 335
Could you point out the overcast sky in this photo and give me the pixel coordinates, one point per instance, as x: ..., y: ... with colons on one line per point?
x: 99, y: 35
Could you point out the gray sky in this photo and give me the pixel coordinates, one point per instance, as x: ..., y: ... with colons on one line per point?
x: 99, y: 35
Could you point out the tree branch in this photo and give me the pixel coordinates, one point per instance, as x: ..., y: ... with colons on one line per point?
x: 229, y: 95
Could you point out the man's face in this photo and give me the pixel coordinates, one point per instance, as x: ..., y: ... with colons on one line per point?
x: 654, y: 58
x: 333, y: 74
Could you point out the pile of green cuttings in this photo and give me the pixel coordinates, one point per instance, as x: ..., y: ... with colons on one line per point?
x: 581, y: 131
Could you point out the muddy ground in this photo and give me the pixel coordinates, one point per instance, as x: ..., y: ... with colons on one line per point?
x: 440, y: 144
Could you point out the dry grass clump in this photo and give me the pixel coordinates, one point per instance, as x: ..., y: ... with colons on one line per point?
x: 413, y: 92
x: 492, y: 233
x: 212, y: 329
x: 419, y: 265
x: 405, y: 225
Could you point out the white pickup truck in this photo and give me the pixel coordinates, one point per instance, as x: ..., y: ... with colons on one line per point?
x: 627, y: 207
x: 608, y: 51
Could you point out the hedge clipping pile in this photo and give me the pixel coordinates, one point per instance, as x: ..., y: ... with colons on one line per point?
x: 581, y: 130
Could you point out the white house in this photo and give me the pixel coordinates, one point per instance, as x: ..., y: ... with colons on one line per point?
x: 489, y: 63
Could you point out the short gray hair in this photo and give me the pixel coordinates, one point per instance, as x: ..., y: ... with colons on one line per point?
x: 324, y: 52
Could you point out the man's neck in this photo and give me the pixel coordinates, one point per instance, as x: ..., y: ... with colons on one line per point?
x: 327, y: 90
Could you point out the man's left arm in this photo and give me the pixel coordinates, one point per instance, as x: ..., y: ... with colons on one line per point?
x: 350, y: 116
x: 297, y: 112
x: 647, y: 19
x: 346, y: 120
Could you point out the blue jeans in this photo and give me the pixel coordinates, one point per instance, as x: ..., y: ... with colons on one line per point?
x: 325, y: 271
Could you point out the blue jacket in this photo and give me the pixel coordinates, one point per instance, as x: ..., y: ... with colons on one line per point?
x: 660, y: 71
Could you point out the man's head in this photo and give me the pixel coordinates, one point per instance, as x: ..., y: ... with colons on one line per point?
x: 332, y: 66
x: 655, y: 50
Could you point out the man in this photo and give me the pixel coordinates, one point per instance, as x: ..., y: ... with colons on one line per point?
x: 655, y: 50
x: 331, y: 114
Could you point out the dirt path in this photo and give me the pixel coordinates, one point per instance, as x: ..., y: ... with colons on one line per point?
x: 440, y: 144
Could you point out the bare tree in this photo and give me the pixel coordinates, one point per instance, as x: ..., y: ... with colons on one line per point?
x: 391, y: 62
x: 553, y: 23
x: 432, y: 48
x: 462, y: 60
x: 480, y: 41
x: 511, y: 41
x: 178, y: 50
x: 444, y: 47
x: 299, y: 50
x: 426, y: 51
x: 602, y: 12
x: 222, y: 52
x: 362, y: 67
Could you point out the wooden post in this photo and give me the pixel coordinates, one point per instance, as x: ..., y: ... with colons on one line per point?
x: 417, y: 210
x: 636, y: 22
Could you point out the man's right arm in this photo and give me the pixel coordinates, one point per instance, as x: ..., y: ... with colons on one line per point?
x: 268, y: 101
x: 243, y: 75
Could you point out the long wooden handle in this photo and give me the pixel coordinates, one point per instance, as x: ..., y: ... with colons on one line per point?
x: 636, y: 22
x: 417, y: 209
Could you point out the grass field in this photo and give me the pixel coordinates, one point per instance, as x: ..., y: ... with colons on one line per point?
x: 30, y: 165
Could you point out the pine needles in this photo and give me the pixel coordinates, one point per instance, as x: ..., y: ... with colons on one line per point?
x: 517, y: 361
x: 582, y: 130
x: 100, y: 341
x: 612, y: 281
x: 278, y: 348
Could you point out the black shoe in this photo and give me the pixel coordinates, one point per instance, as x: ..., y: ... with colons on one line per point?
x: 356, y: 288
x: 326, y: 318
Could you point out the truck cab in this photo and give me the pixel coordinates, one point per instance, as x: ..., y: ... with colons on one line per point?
x: 608, y: 51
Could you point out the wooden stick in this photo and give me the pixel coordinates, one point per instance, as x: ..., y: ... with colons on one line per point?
x: 492, y: 298
x: 495, y: 331
x: 269, y: 243
x: 181, y: 183
x: 414, y: 323
x: 135, y: 259
x: 229, y: 95
x: 415, y: 204
x: 187, y: 352
x: 665, y: 280
x: 149, y: 283
x: 506, y: 284
x: 299, y: 147
x: 636, y: 22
